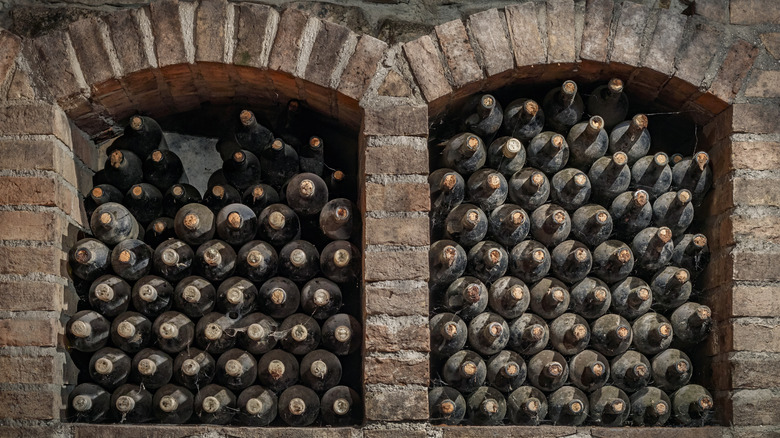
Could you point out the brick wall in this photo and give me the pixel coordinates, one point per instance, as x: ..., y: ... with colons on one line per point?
x: 63, y: 88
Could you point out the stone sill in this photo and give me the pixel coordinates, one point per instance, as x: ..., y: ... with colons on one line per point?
x: 582, y: 432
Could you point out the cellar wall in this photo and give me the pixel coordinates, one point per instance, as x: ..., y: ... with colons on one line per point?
x: 67, y: 89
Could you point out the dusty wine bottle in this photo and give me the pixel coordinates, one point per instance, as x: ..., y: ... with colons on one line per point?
x: 547, y: 370
x: 220, y: 196
x: 507, y: 155
x: 652, y: 333
x: 259, y: 196
x: 631, y: 137
x: 257, y: 261
x: 588, y: 141
x: 341, y: 406
x: 172, y: 260
x: 123, y: 169
x: 162, y: 168
x: 464, y: 371
x: 109, y: 368
x: 446, y: 405
x: 590, y: 298
x: 465, y: 153
x: 99, y: 195
x: 610, y: 335
x: 301, y: 334
x: 339, y: 219
x: 523, y: 119
x: 215, y: 404
x: 87, y: 331
x: 509, y: 225
x: 563, y: 107
x: 152, y: 295
x: 280, y: 163
x: 236, y: 297
x: 311, y: 156
x: 299, y: 406
x: 526, y: 406
x: 570, y: 188
x: 691, y: 252
x: 466, y: 224
x: 612, y: 261
x: 131, y: 404
x: 506, y: 371
x: 568, y: 406
x: 488, y: 333
x: 173, y: 404
x: 692, y: 405
x: 177, y: 196
x: 509, y: 297
x: 550, y: 224
x: 194, y: 296
x: 300, y: 261
x: 487, y: 117
x: 571, y: 261
x: 131, y: 259
x: 307, y: 193
x: 652, y: 249
x: 691, y: 322
x: 112, y: 223
x: 236, y: 224
x: 142, y: 135
x: 151, y: 368
x: 549, y: 298
x: 278, y: 224
x: 89, y: 403
x: 631, y: 212
x: 569, y: 334
x: 448, y: 190
x: 174, y: 331
x: 250, y: 134
x: 340, y: 261
x: 609, y: 177
x: 529, y: 188
x: 467, y: 297
x: 591, y: 224
x: 194, y: 368
x: 671, y: 287
x: 447, y: 261
x: 277, y: 370
x: 448, y: 334
x: 256, y: 333
x: 609, y: 102
x: 194, y: 224
x: 486, y: 407
x: 215, y: 260
x: 672, y: 369
x: 236, y: 369
x: 652, y: 174
x: 548, y: 152
x: 529, y: 261
x: 89, y: 259
x: 487, y: 189
x: 109, y: 295
x: 695, y: 175
x: 158, y: 231
x: 631, y: 298
x: 214, y: 333
x: 320, y: 370
x: 131, y: 332
x: 650, y: 407
x: 487, y: 261
x: 320, y: 298
x: 529, y: 334
x: 609, y: 406
x: 257, y: 407
x: 588, y: 370
x: 674, y: 210
x: 279, y: 297
x: 631, y: 371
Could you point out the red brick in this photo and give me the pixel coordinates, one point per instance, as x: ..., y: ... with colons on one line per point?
x: 397, y: 197
x: 771, y: 41
x: 628, y: 36
x: 209, y: 38
x: 399, y: 404
x: 739, y: 60
x: 396, y: 299
x: 396, y: 160
x: 524, y: 34
x: 386, y: 339
x: 756, y: 118
x: 29, y: 260
x: 489, y: 35
x: 49, y: 53
x: 31, y: 225
x: 126, y: 37
x: 695, y: 55
x: 27, y: 369
x: 754, y: 12
x: 362, y: 66
x: 397, y: 231
x: 763, y: 83
x: 30, y: 405
x: 34, y: 119
x: 393, y: 433
x: 396, y: 371
x: 666, y: 38
x: 287, y: 45
x: 396, y: 120
x: 755, y: 155
x: 518, y: 431
x: 595, y: 35
x: 560, y: 31
x: 168, y: 36
x: 86, y: 35
x: 754, y: 407
x: 11, y: 46
x: 328, y: 47
x: 48, y: 192
x: 396, y: 265
x: 28, y: 332
x: 719, y: 128
x: 83, y: 147
x: 423, y: 57
x: 22, y: 296
x: 251, y: 25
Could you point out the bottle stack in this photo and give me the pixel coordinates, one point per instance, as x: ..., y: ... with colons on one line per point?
x: 237, y: 306
x: 562, y: 266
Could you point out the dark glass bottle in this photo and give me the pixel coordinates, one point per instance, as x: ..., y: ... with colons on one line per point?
x: 652, y: 174
x: 259, y: 196
x: 523, y: 119
x: 529, y: 188
x: 194, y: 224
x: 87, y: 331
x: 652, y: 249
x: 509, y: 297
x: 112, y: 223
x: 123, y: 169
x: 631, y: 137
x: 194, y: 368
x: 448, y: 334
x: 447, y: 262
x: 486, y: 407
x: 341, y: 406
x: 173, y: 404
x: 509, y: 225
x: 99, y: 195
x: 672, y: 369
x: 340, y: 261
x: 446, y: 405
x: 320, y: 370
x: 278, y: 297
x: 488, y: 333
x: 692, y: 405
x: 507, y: 155
x: 691, y: 252
x: 88, y: 403
x: 695, y: 175
x: 526, y: 406
x: 277, y: 370
x: 487, y: 189
x: 568, y: 406
x: 612, y: 261
x: 631, y: 371
x: 278, y: 224
x: 506, y: 371
x: 162, y: 169
x: 548, y: 152
x: 109, y: 368
x: 158, y: 231
x: 174, y: 331
x: 652, y: 333
x: 299, y: 261
x: 339, y: 219
x: 631, y: 212
x: 220, y: 196
x: 320, y: 298
x: 298, y: 406
x: 448, y: 190
x: 151, y: 368
x: 590, y: 298
x: 569, y: 334
x: 466, y: 224
x: 242, y: 169
x: 671, y: 287
x: 142, y: 135
x: 215, y: 404
x: 131, y: 404
x: 691, y: 322
x: 194, y: 296
x: 257, y: 261
x: 301, y: 334
x: 591, y: 224
x: 215, y: 260
x: 280, y: 163
x: 571, y: 261
x: 131, y: 332
x: 466, y: 297
x: 674, y: 210
x: 570, y: 188
x: 109, y: 295
x: 610, y: 335
x: 256, y: 333
x: 631, y: 298
x: 487, y: 261
x: 236, y: 297
x: 173, y: 260
x: 464, y: 371
x: 563, y: 107
x: 250, y: 134
x: 588, y: 370
x: 650, y: 407
x: 306, y: 194
x: 88, y: 259
x: 340, y: 185
x: 588, y: 141
x: 236, y: 369
x: 487, y: 117
x: 549, y: 298
x: 131, y: 259
x: 609, y: 177
x: 465, y: 153
x: 214, y: 333
x: 152, y: 295
x: 609, y: 406
x: 177, y: 196
x: 550, y: 224
x: 609, y: 102
x: 257, y: 407
x: 547, y: 370
x: 236, y: 224
x: 529, y: 261
x: 529, y: 334
x: 311, y: 156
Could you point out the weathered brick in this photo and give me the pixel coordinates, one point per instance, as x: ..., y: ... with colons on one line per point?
x: 30, y: 405
x: 751, y: 266
x: 393, y: 433
x: 168, y: 35
x: 396, y: 265
x: 595, y: 35
x: 28, y: 260
x: 396, y: 371
x: 20, y: 332
x: 515, y: 431
x: 396, y: 404
x: 396, y: 300
x: 715, y: 10
x: 755, y: 155
x: 524, y: 34
x: 83, y: 147
x: 11, y: 45
x: 397, y: 197
x: 695, y: 55
x: 383, y: 338
x: 763, y: 84
x: 627, y: 432
x: 251, y: 23
x: 666, y: 38
x: 209, y: 36
x: 735, y: 67
x: 457, y: 51
x: 423, y: 57
x: 327, y: 47
x: 86, y: 36
x: 756, y: 407
x: 21, y: 86
x: 754, y: 371
x: 396, y: 120
x: 30, y: 225
x: 35, y: 119
x: 759, y: 301
x: 31, y: 296
x: 754, y: 12
x: 489, y: 35
x: 48, y: 192
x: 42, y: 155
x: 756, y: 118
x: 397, y: 231
x: 81, y: 430
x: 771, y: 41
x: 58, y: 74
x: 628, y: 36
x: 719, y: 127
x: 560, y: 31
x: 126, y: 36
x: 362, y: 66
x: 287, y: 46
x: 29, y: 369
x: 396, y: 160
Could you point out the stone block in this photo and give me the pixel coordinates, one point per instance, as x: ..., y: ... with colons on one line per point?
x: 210, y: 30
x: 489, y: 35
x: 628, y: 36
x: 168, y: 32
x: 524, y: 34
x: 289, y: 37
x: 396, y: 404
x: 362, y: 66
x: 595, y: 35
x: 255, y: 32
x: 560, y: 31
x: 395, y: 265
x: 328, y: 47
x: 666, y: 38
x: 397, y: 231
x: 428, y: 71
x: 397, y: 299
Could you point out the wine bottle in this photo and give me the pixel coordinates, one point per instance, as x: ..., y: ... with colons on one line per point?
x: 570, y: 188
x: 695, y: 175
x: 652, y: 249
x: 279, y: 297
x: 109, y: 295
x: 194, y: 296
x: 131, y: 332
x: 131, y: 259
x: 590, y: 298
x: 131, y: 404
x: 465, y: 371
x: 339, y: 219
x: 691, y: 322
x: 172, y: 260
x: 568, y: 406
x: 612, y: 261
x: 158, y: 231
x: 87, y: 331
x: 488, y: 333
x: 509, y: 225
x: 506, y: 371
x: 674, y: 210
x: 236, y: 297
x: 529, y: 334
x: 631, y: 298
x: 691, y: 252
x: 123, y: 169
x: 300, y: 262
x: 215, y: 260
x: 563, y: 107
x: 672, y: 370
x: 588, y: 370
x: 194, y: 368
x: 523, y: 119
x: 277, y: 370
x: 529, y: 188
x: 487, y: 189
x: 301, y: 334
x: 448, y: 190
x: 609, y: 102
x: 529, y: 261
x: 692, y: 405
x: 631, y: 371
x: 173, y: 404
x: 549, y: 298
x: 152, y: 295
x: 259, y: 196
x: 194, y: 224
x: 548, y: 152
x: 174, y: 330
x: 631, y: 137
x: 652, y: 174
x: 311, y: 156
x: 609, y: 406
x: 320, y: 298
x: 109, y: 368
x: 214, y: 333
x: 320, y: 370
x: 142, y: 135
x: 652, y: 333
x: 307, y: 194
x: 280, y: 163
x: 650, y: 407
x: 88, y: 403
x: 256, y: 333
x: 466, y: 224
x: 671, y: 287
x: 151, y: 368
x: 250, y: 134
x: 466, y: 297
x: 591, y: 224
x: 340, y: 185
x: 486, y: 407
x: 89, y: 259
x: 507, y: 155
x: 675, y: 158
x: 257, y: 261
x: 550, y: 224
x: 448, y: 334
x: 215, y: 404
x: 112, y: 223
x: 610, y: 335
x: 242, y: 169
x: 569, y: 334
x: 526, y: 406
x: 509, y: 297
x: 340, y: 261
x: 447, y: 261
x: 257, y: 407
x: 571, y: 261
x: 162, y: 169
x: 631, y: 212
x: 487, y: 117
x: 465, y: 153
x: 236, y: 369
x: 446, y: 405
x: 298, y: 406
x: 101, y: 194
x: 236, y: 224
x: 487, y: 261
x: 588, y: 141
x: 609, y: 177
x: 177, y: 196
x: 547, y: 370
x: 220, y: 196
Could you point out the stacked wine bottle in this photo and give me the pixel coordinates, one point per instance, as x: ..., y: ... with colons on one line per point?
x: 235, y: 307
x: 562, y: 267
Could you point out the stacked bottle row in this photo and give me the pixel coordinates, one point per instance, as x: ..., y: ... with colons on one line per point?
x: 210, y: 309
x: 562, y: 294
